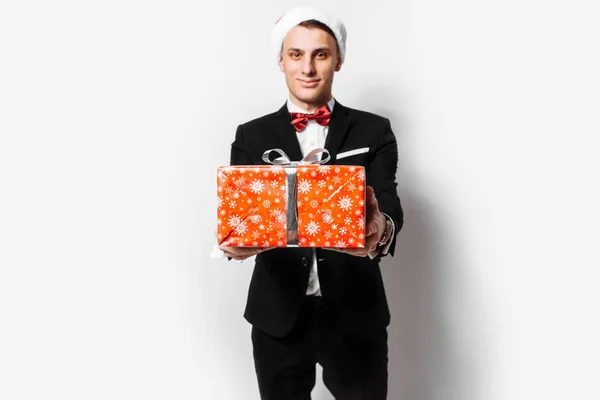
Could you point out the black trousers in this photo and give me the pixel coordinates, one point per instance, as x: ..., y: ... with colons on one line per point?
x: 354, y: 367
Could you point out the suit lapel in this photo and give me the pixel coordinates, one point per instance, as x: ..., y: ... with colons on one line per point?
x: 338, y: 129
x: 287, y: 134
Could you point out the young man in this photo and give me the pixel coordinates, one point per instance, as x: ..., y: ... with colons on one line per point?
x: 320, y: 305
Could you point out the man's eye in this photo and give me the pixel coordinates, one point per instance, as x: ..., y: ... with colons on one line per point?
x: 321, y: 55
x: 295, y: 55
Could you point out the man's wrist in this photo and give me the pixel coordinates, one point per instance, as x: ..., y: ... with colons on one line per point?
x: 387, y: 233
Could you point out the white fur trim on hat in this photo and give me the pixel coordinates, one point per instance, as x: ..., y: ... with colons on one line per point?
x: 298, y: 15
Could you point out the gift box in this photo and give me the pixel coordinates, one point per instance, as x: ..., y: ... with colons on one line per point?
x: 291, y: 204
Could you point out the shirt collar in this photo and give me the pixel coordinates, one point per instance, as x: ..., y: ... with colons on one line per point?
x: 294, y: 108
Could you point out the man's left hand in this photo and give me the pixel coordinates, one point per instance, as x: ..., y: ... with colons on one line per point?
x: 374, y: 227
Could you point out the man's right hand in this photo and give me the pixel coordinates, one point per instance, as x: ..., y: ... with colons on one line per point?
x: 241, y: 253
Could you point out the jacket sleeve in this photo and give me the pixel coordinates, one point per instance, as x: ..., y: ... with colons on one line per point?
x: 381, y: 175
x: 240, y: 153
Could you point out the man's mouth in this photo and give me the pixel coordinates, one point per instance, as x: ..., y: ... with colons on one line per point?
x: 309, y: 83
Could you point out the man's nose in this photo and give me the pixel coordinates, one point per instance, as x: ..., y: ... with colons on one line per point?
x: 308, y: 66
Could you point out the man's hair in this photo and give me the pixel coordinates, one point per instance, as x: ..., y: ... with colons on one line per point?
x: 313, y: 23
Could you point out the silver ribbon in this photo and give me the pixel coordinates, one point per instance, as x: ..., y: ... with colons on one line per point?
x: 291, y: 185
x: 283, y: 159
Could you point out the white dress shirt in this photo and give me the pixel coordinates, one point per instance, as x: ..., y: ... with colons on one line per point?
x: 313, y: 137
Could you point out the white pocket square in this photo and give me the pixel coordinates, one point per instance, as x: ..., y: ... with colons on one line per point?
x: 351, y: 152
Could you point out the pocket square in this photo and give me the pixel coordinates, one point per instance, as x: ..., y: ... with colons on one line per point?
x: 351, y: 152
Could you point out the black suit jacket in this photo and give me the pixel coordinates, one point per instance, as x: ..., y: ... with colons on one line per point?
x: 352, y: 286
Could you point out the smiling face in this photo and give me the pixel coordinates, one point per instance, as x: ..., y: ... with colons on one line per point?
x: 309, y: 59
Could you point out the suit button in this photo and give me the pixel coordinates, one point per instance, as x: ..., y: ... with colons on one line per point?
x: 304, y: 262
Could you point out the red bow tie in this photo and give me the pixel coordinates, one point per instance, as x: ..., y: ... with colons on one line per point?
x: 322, y: 116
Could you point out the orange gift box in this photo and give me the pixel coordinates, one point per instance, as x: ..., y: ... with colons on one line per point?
x: 299, y: 204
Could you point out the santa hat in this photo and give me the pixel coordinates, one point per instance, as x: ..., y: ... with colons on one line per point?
x: 299, y: 15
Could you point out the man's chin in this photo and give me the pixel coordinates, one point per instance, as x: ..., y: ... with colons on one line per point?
x: 310, y: 98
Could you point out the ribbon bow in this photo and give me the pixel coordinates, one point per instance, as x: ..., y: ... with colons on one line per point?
x: 322, y: 116
x: 311, y: 158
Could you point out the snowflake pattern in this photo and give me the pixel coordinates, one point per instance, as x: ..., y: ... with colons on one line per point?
x: 257, y: 186
x: 360, y: 222
x: 240, y: 181
x: 278, y: 215
x: 345, y: 203
x: 234, y: 221
x: 312, y: 228
x: 338, y: 194
x: 241, y: 229
x: 304, y: 186
x: 252, y: 206
x: 248, y: 196
x: 323, y: 169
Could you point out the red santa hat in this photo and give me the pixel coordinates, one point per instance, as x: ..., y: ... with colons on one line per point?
x: 298, y: 15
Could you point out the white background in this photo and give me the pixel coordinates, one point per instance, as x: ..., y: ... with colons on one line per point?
x: 114, y: 116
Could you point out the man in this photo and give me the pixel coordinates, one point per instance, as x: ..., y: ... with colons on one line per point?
x: 321, y: 305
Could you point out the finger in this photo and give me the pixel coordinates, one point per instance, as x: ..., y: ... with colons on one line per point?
x: 353, y: 252
x: 370, y: 191
x: 372, y: 208
x: 252, y: 251
x: 370, y: 197
x: 358, y: 252
x: 373, y: 226
x: 371, y: 243
x: 240, y: 253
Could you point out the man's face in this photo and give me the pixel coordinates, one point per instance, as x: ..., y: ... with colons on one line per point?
x: 309, y: 58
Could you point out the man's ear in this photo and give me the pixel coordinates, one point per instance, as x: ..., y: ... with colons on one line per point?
x: 281, y: 67
x: 338, y: 66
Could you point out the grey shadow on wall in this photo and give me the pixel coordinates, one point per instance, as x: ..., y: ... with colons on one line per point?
x: 423, y: 363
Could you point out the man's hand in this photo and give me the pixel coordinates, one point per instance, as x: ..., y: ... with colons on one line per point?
x: 241, y: 253
x: 374, y: 227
